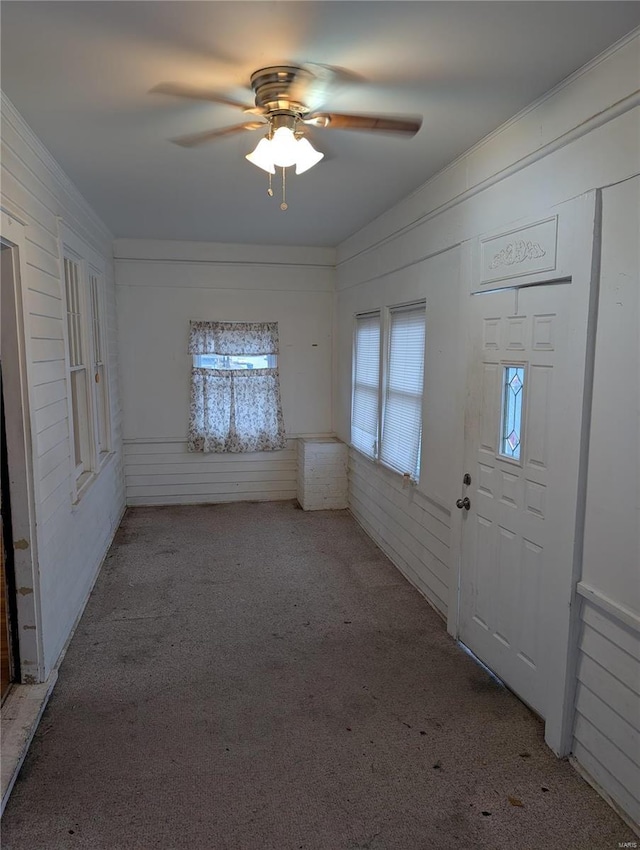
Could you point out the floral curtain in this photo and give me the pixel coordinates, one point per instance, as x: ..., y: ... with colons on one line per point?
x: 235, y: 410
x: 233, y: 338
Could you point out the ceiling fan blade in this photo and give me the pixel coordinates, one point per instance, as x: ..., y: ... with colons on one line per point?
x: 181, y: 90
x: 210, y: 135
x: 311, y: 85
x: 379, y: 123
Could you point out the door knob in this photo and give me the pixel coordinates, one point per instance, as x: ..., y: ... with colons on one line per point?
x: 463, y: 503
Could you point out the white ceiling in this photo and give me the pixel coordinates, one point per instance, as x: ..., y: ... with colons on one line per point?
x: 80, y: 73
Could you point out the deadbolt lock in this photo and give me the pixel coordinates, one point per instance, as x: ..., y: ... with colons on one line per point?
x: 467, y: 479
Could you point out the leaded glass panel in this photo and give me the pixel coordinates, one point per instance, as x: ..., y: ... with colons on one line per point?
x: 512, y: 395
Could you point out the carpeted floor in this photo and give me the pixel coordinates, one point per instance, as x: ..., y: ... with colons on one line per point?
x: 254, y: 677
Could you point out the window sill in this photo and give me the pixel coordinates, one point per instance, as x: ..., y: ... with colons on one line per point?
x: 405, y: 478
x: 84, y: 482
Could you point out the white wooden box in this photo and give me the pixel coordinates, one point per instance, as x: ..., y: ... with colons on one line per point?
x: 322, y: 474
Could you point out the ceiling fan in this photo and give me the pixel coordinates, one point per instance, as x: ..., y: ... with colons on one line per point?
x: 286, y: 98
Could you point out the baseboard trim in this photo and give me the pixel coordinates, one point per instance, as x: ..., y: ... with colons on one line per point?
x: 19, y: 719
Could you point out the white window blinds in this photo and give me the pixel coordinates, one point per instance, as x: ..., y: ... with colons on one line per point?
x: 366, y: 381
x: 402, y: 417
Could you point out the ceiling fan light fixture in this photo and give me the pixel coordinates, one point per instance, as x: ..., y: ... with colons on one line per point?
x: 306, y: 156
x: 284, y: 147
x: 262, y: 156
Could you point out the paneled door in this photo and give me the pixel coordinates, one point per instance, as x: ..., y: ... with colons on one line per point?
x: 518, y: 505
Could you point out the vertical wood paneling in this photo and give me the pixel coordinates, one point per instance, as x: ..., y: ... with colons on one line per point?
x: 72, y: 539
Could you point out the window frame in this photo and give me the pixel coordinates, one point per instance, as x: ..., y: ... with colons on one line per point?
x: 385, y: 316
x: 272, y: 361
x: 100, y: 366
x: 89, y: 264
x: 370, y: 314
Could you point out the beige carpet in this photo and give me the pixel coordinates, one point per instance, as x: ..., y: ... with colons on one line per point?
x: 253, y: 677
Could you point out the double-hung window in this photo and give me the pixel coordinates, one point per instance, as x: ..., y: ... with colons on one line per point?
x: 87, y: 370
x: 388, y: 376
x: 366, y: 384
x: 78, y: 372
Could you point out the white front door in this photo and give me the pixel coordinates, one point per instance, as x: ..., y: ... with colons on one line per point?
x: 519, y: 523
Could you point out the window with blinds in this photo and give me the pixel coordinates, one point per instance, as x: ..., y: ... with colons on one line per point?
x: 366, y: 384
x: 79, y: 381
x: 404, y: 377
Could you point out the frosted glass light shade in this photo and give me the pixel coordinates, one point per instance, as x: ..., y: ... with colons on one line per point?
x: 262, y: 156
x: 284, y: 150
x: 306, y: 156
x: 284, y: 147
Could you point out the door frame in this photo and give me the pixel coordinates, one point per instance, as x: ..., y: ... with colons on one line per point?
x: 21, y: 456
x: 578, y: 259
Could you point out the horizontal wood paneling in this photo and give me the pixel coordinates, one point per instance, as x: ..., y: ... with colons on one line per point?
x: 47, y: 372
x: 46, y: 394
x: 51, y: 414
x: 165, y: 473
x: 274, y: 496
x: 412, y: 531
x: 43, y: 304
x: 607, y: 782
x: 72, y: 539
x: 46, y: 349
x: 44, y: 283
x: 45, y: 327
x: 57, y: 455
x: 607, y: 702
x: 51, y: 436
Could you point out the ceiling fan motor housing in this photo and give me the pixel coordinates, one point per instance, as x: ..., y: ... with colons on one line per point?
x: 272, y: 87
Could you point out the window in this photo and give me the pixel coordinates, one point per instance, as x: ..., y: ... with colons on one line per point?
x: 512, y: 395
x: 366, y: 384
x: 235, y: 388
x: 88, y: 380
x: 402, y: 418
x: 79, y: 381
x: 398, y: 420
x: 242, y: 361
x: 100, y: 384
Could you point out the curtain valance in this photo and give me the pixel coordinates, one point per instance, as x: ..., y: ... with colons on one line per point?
x: 233, y: 338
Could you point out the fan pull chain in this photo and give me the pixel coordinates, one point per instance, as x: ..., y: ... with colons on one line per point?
x: 270, y: 190
x: 284, y: 205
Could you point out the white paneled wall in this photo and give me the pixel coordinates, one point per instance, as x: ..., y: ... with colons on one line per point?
x: 607, y: 721
x: 607, y: 725
x: 72, y: 538
x: 580, y: 137
x: 160, y: 473
x: 160, y: 287
x: 413, y: 530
